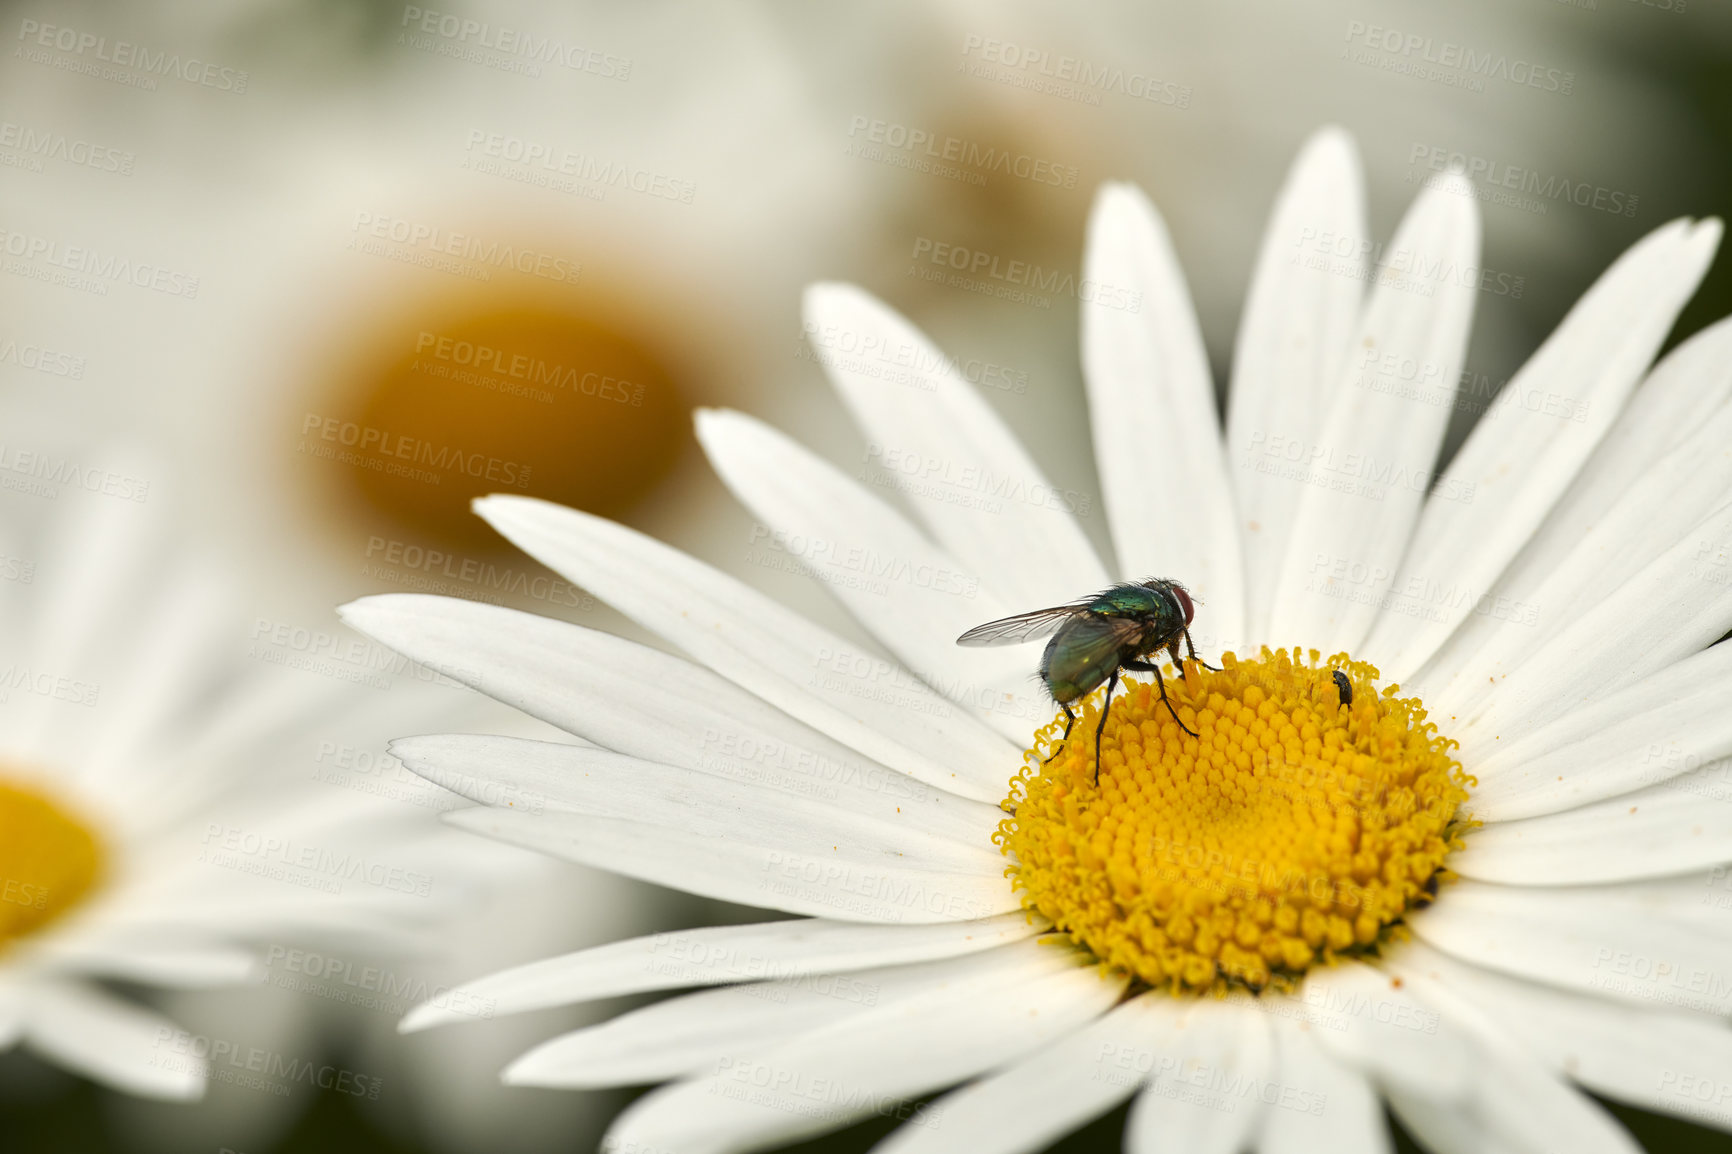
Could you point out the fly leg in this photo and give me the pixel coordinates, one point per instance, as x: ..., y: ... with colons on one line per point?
x: 1192, y: 647
x: 1151, y: 667
x: 1069, y: 720
x: 1112, y: 684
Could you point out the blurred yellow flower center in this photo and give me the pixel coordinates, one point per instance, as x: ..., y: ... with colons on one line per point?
x: 1291, y: 830
x: 497, y: 393
x: 48, y: 861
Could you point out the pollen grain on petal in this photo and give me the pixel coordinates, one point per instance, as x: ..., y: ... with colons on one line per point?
x: 1292, y: 830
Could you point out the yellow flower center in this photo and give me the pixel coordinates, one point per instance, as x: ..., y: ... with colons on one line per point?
x: 1291, y: 830
x: 49, y: 860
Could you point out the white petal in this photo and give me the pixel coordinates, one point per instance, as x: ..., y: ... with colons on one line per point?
x: 1358, y: 1016
x: 1292, y: 341
x: 617, y: 693
x: 112, y: 1041
x: 1520, y: 458
x: 1658, y: 509
x: 1513, y: 1091
x: 1682, y: 395
x: 96, y: 560
x: 1152, y: 409
x: 1671, y: 724
x: 1317, y: 1105
x: 887, y: 814
x: 716, y: 954
x: 865, y: 702
x: 1049, y: 1093
x: 164, y: 965
x: 1671, y: 828
x: 1650, y: 1057
x: 848, y: 883
x: 689, y: 1034
x: 181, y: 642
x: 1656, y: 941
x: 928, y: 413
x: 911, y: 595
x: 871, y: 1063
x: 1221, y: 1051
x: 1672, y: 608
x: 1682, y: 391
x: 1448, y: 1129
x: 1373, y: 455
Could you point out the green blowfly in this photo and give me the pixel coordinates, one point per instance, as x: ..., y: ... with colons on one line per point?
x: 1094, y: 639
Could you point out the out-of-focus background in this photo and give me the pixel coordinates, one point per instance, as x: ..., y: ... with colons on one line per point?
x: 342, y: 265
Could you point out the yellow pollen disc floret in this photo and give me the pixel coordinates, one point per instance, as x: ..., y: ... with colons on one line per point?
x: 49, y: 860
x: 1291, y: 830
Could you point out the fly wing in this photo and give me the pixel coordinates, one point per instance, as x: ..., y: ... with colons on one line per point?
x: 1083, y: 656
x: 1022, y: 627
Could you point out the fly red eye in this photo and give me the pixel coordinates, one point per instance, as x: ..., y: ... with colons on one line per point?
x: 1184, y: 602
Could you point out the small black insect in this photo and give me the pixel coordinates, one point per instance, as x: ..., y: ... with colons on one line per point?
x: 1344, y: 687
x: 1097, y: 637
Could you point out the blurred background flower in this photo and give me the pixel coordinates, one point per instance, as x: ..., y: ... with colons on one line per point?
x: 211, y: 884
x: 345, y: 264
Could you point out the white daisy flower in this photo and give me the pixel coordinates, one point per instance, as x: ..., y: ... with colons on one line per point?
x: 153, y: 829
x: 1467, y: 900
